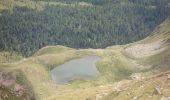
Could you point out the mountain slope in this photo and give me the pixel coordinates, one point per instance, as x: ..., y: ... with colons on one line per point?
x: 154, y: 87
x: 144, y: 61
x: 28, y: 25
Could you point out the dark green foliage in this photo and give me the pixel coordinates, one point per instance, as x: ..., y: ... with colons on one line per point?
x: 107, y: 23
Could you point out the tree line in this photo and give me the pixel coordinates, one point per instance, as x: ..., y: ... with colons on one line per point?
x: 108, y: 22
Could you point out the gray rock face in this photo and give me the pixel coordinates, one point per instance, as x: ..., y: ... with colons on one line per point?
x: 158, y: 90
x: 165, y: 98
x: 136, y: 76
x: 7, y: 79
x: 9, y: 87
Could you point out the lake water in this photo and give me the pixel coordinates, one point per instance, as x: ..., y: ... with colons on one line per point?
x: 82, y: 68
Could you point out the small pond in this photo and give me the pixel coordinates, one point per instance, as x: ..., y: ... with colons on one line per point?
x: 81, y: 68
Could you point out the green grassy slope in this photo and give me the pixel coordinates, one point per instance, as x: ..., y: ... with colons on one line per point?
x: 39, y: 5
x: 8, y: 57
x: 145, y: 89
x: 117, y: 64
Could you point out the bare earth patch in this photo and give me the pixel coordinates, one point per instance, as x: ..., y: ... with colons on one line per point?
x: 145, y: 50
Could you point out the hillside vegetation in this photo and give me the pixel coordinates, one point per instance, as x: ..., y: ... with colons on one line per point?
x: 132, y: 71
x: 28, y: 25
x: 148, y: 86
